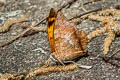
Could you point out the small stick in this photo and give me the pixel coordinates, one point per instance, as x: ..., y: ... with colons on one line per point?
x: 69, y: 2
x: 114, y: 53
x: 95, y: 10
x: 41, y: 21
x: 93, y: 1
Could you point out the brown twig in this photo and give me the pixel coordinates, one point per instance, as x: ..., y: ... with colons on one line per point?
x: 69, y: 2
x: 93, y: 1
x: 114, y: 53
x: 95, y: 10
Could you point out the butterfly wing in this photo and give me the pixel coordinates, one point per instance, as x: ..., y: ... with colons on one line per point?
x: 51, y: 24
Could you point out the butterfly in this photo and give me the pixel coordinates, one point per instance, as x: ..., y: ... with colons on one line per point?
x: 66, y: 41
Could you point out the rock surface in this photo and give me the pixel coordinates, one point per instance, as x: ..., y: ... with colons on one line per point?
x: 26, y: 53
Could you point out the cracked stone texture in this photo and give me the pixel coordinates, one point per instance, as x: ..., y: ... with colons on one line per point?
x: 26, y: 53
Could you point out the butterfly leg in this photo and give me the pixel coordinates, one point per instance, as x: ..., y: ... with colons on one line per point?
x: 56, y: 60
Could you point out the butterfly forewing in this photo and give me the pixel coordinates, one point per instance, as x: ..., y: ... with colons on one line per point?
x: 51, y: 25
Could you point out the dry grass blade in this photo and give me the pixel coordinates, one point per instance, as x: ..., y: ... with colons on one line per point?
x: 114, y: 53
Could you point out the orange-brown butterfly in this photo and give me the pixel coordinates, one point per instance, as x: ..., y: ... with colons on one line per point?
x: 66, y: 41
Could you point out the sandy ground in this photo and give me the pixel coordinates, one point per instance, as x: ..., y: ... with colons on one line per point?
x: 26, y: 53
